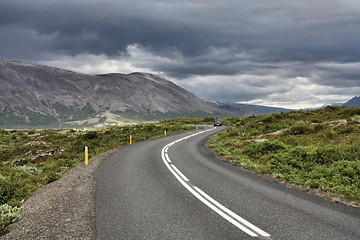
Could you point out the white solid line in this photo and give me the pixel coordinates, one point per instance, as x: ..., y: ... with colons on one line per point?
x: 180, y: 173
x: 167, y: 157
x: 232, y: 214
x: 206, y: 202
x: 226, y: 213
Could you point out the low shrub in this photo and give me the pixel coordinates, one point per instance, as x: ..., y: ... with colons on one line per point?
x: 8, y: 215
x: 257, y: 149
x: 209, y: 120
x: 90, y: 135
x: 300, y: 129
x: 30, y: 170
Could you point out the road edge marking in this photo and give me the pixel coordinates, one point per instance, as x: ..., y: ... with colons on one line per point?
x: 226, y: 213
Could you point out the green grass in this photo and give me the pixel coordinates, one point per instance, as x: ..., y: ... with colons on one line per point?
x: 315, y: 149
x: 187, y: 121
x: 32, y: 158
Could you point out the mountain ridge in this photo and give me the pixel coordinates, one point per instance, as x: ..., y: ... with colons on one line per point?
x: 249, y: 109
x: 36, y: 93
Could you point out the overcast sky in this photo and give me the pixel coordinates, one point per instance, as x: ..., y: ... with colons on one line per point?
x: 287, y: 53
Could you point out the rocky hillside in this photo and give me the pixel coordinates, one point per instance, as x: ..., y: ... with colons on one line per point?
x: 33, y: 95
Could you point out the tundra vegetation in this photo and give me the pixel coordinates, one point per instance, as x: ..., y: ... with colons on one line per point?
x: 30, y: 159
x: 318, y: 149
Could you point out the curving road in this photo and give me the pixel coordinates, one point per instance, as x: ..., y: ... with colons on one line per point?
x: 174, y: 188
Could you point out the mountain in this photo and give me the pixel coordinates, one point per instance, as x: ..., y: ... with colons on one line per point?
x: 33, y: 95
x: 248, y: 109
x: 354, y: 102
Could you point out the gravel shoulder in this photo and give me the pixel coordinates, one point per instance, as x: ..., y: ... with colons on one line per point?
x: 64, y: 209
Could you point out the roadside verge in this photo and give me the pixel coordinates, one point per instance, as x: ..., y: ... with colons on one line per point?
x: 63, y: 209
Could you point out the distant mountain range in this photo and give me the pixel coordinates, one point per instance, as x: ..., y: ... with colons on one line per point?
x: 37, y: 96
x: 248, y: 109
x: 354, y: 102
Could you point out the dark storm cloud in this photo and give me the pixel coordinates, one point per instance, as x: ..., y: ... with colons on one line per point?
x: 278, y: 30
x: 98, y: 28
x: 281, y: 39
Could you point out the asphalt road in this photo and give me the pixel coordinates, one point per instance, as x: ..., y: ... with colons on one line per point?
x: 174, y: 188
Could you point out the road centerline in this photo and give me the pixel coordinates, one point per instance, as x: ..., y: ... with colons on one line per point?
x: 226, y: 213
x: 180, y: 173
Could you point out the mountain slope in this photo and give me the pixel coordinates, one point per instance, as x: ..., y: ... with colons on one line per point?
x: 41, y: 96
x: 354, y: 102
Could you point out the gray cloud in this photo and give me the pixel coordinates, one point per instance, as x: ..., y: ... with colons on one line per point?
x: 253, y: 41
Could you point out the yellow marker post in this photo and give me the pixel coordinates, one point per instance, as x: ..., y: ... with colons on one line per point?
x: 130, y: 139
x: 197, y: 128
x: 86, y: 156
x: 165, y: 132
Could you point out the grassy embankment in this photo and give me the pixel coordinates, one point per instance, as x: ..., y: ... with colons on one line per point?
x: 317, y: 149
x: 33, y: 158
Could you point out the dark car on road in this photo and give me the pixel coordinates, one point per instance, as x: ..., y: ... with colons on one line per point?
x: 217, y: 123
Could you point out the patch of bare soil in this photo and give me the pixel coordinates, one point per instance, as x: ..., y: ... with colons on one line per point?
x: 64, y: 209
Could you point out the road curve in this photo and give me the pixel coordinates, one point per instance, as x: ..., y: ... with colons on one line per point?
x: 174, y: 188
